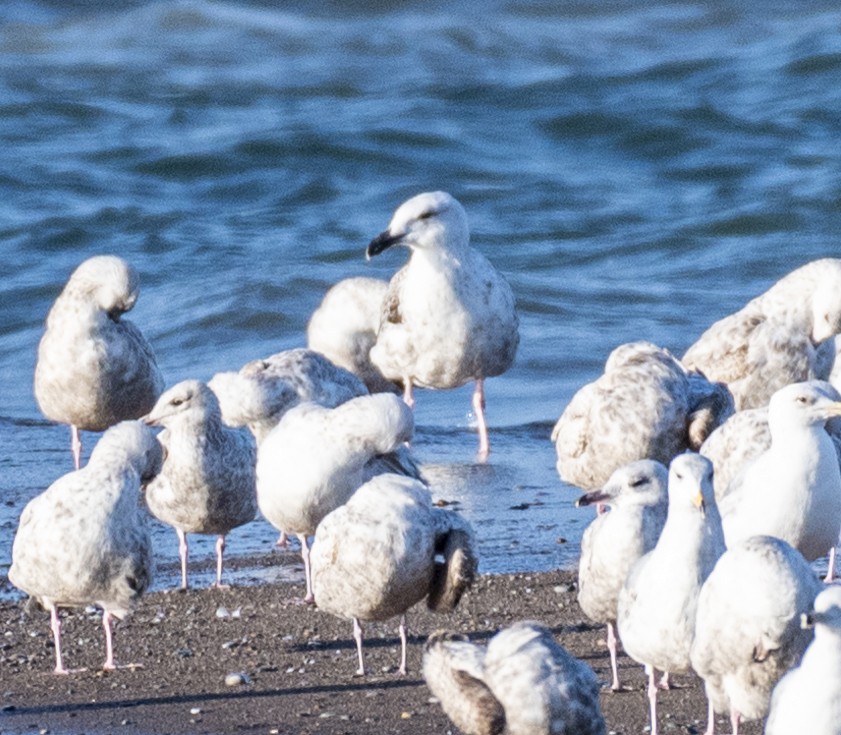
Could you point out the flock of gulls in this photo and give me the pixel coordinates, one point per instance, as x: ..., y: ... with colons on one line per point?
x: 715, y: 478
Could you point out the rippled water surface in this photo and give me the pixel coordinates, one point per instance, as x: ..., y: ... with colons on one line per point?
x: 636, y: 171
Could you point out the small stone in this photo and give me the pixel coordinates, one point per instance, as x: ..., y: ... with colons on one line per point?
x: 222, y: 612
x: 195, y: 711
x: 405, y: 715
x: 237, y: 679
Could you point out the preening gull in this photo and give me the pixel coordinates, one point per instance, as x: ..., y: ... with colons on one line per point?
x: 614, y: 541
x: 774, y: 339
x: 95, y: 368
x: 808, y: 698
x: 316, y: 457
x: 747, y: 630
x: 263, y: 390
x: 85, y: 540
x: 344, y: 328
x: 644, y: 406
x: 525, y: 683
x: 207, y: 484
x: 448, y: 317
x: 658, y: 602
x: 379, y: 553
x: 793, y: 489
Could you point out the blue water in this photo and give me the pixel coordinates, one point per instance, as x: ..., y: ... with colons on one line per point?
x: 637, y: 170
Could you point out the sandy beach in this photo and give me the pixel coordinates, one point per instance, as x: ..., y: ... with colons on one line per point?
x: 296, y: 664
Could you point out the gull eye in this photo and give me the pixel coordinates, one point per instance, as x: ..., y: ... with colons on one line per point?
x: 637, y: 482
x: 427, y: 214
x: 802, y: 400
x: 176, y: 401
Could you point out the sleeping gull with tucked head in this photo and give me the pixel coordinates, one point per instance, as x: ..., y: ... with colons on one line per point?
x: 95, y: 368
x: 448, y: 316
x: 524, y: 683
x: 85, y: 539
x: 207, y: 484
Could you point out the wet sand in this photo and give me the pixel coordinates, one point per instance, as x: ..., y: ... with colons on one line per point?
x: 298, y: 665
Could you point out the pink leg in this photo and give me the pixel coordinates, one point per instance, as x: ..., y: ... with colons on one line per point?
x: 735, y: 719
x: 76, y: 446
x: 309, y: 598
x: 282, y: 540
x: 652, y: 698
x: 611, y: 646
x: 109, y: 642
x: 357, y: 636
x: 664, y: 682
x: 408, y: 398
x: 402, y: 669
x: 479, y: 410
x: 55, y: 624
x: 710, y: 718
x: 182, y: 553
x: 220, y: 550
x: 830, y: 572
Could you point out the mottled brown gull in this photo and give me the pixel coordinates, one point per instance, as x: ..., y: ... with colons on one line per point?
x: 317, y: 457
x: 525, y: 683
x: 644, y: 406
x: 84, y: 540
x: 95, y: 368
x: 344, y: 328
x: 207, y: 484
x: 774, y: 339
x: 747, y: 630
x: 808, y: 698
x: 614, y: 541
x: 658, y: 602
x: 448, y: 317
x: 386, y: 549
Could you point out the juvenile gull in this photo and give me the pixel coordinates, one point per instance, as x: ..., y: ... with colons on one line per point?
x: 344, y: 328
x: 774, y: 339
x: 84, y: 540
x: 614, y: 541
x: 448, y: 316
x: 386, y: 549
x: 747, y: 630
x: 207, y: 484
x: 793, y: 489
x: 658, y: 602
x: 808, y: 698
x: 644, y: 406
x: 95, y: 368
x: 317, y: 457
x: 523, y: 684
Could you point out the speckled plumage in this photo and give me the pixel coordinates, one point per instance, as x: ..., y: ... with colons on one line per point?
x: 525, y: 683
x: 85, y: 539
x: 772, y: 340
x: 644, y: 406
x: 263, y: 390
x: 344, y: 328
x: 747, y: 630
x: 808, y: 698
x: 375, y: 556
x: 207, y: 484
x: 94, y: 368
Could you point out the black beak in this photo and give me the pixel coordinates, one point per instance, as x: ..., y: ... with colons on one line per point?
x: 381, y: 242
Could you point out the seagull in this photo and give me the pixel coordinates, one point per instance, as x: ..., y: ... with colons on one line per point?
x: 644, y: 406
x: 658, y: 602
x: 448, y: 316
x: 775, y: 339
x: 808, y: 698
x: 84, y: 540
x: 793, y: 489
x: 317, y: 457
x: 614, y: 541
x: 95, y: 368
x: 207, y: 484
x: 747, y: 630
x: 386, y: 549
x: 523, y: 684
x: 344, y: 328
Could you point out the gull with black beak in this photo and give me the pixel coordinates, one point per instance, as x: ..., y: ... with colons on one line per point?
x: 448, y: 316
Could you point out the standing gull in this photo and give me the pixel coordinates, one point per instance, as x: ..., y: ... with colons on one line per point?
x: 808, y: 698
x: 747, y: 630
x: 658, y: 602
x: 316, y: 458
x: 94, y: 368
x: 84, y: 540
x: 448, y: 317
x: 207, y: 484
x: 644, y: 406
x: 774, y: 340
x: 386, y: 549
x: 614, y: 541
x: 523, y: 684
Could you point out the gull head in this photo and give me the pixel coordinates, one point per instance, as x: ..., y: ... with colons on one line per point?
x: 431, y: 221
x: 804, y: 404
x: 826, y: 611
x: 132, y: 443
x: 188, y: 399
x: 691, y: 482
x: 638, y: 483
x: 109, y: 281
